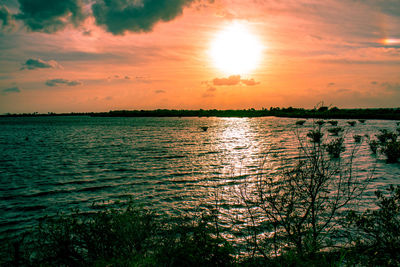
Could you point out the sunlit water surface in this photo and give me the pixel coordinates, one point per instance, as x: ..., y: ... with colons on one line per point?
x: 50, y: 164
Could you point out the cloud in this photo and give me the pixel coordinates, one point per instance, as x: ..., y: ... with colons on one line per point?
x: 207, y: 95
x: 140, y: 79
x: 6, y: 20
x: 116, y: 16
x: 391, y: 7
x: 231, y: 80
x: 226, y: 14
x: 250, y: 82
x: 391, y: 87
x: 56, y: 82
x: 211, y: 89
x: 159, y: 91
x: 331, y: 84
x: 118, y: 77
x: 119, y: 16
x: 50, y: 16
x: 32, y: 64
x: 234, y: 80
x: 14, y: 89
x: 343, y: 90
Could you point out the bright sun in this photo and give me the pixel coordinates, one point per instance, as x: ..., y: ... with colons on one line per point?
x: 235, y: 50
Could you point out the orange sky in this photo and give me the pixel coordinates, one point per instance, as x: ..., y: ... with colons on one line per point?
x: 138, y: 54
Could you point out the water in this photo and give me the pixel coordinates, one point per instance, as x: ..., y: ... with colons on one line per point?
x: 49, y: 164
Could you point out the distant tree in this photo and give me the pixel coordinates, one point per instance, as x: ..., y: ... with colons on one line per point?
x: 322, y: 109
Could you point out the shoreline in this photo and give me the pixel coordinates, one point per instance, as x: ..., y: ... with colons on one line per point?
x: 321, y: 113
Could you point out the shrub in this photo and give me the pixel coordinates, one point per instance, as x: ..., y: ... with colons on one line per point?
x: 194, y: 242
x: 124, y: 236
x: 352, y: 123
x: 378, y: 231
x: 357, y: 138
x: 386, y: 136
x: 373, y: 145
x: 109, y: 235
x: 320, y: 122
x: 335, y: 147
x: 388, y: 145
x: 315, y: 135
x: 299, y: 207
x: 300, y: 122
x: 392, y: 151
x: 333, y: 123
x: 335, y: 131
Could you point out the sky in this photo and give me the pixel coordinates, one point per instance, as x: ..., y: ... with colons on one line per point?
x: 101, y: 55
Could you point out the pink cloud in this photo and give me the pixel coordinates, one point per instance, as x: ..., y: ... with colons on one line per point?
x: 234, y: 80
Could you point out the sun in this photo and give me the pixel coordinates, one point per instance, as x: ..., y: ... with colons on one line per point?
x: 236, y: 50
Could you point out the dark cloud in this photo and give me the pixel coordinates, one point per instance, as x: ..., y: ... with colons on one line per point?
x: 159, y: 91
x: 14, y: 89
x: 234, y: 80
x: 56, y: 82
x: 6, y: 20
x: 116, y: 16
x: 331, y: 84
x: 119, y: 16
x: 32, y: 64
x: 50, y: 16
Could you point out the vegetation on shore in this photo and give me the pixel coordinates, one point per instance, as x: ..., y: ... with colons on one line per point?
x: 132, y: 236
x: 291, y: 112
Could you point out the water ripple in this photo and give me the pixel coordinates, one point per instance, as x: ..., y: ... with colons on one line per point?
x: 49, y: 164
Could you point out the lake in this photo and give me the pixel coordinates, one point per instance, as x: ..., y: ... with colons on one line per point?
x: 51, y: 164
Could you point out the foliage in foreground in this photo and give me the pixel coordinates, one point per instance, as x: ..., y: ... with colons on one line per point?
x: 378, y: 231
x: 137, y: 237
x: 126, y: 236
